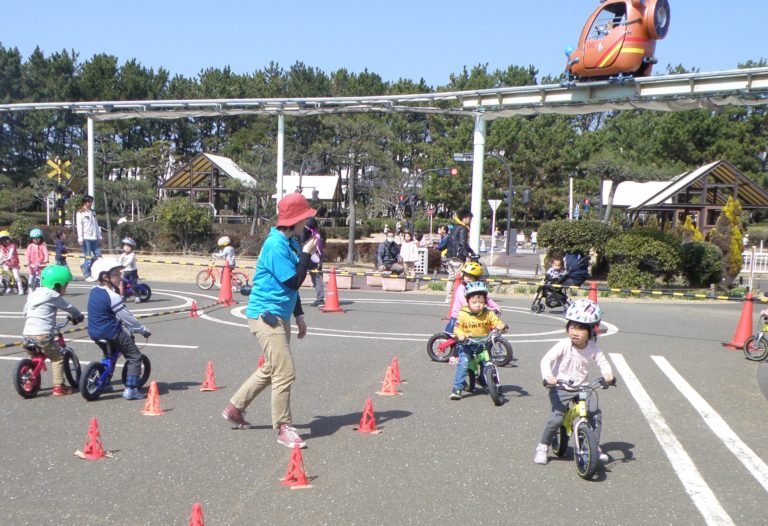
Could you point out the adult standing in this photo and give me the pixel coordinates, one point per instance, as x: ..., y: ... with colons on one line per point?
x: 280, y: 271
x: 88, y: 234
x: 534, y: 240
x: 316, y: 260
x: 458, y: 249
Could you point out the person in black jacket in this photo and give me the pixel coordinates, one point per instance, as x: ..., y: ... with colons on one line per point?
x: 458, y: 249
x: 388, y: 256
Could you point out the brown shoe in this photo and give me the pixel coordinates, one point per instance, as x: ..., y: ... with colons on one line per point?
x: 235, y: 416
x: 62, y: 390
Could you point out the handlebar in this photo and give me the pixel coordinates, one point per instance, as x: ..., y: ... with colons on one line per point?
x: 568, y: 386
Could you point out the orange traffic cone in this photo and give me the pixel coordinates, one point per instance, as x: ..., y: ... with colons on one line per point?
x: 262, y: 359
x: 593, y: 291
x: 225, y: 294
x: 209, y: 384
x: 395, y: 366
x: 368, y: 420
x: 388, y: 387
x: 744, y: 328
x: 193, y: 310
x: 93, y: 449
x: 456, y: 284
x: 295, y: 476
x: 152, y: 407
x: 196, y: 519
x: 332, y: 294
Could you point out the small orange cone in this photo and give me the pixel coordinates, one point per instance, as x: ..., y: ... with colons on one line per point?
x: 744, y: 328
x: 388, y: 387
x: 332, y: 294
x: 456, y: 284
x: 295, y: 476
x: 262, y: 359
x: 395, y: 366
x: 193, y: 310
x: 225, y: 294
x: 196, y: 519
x: 93, y: 449
x: 209, y: 384
x: 368, y: 420
x: 593, y: 291
x: 152, y: 407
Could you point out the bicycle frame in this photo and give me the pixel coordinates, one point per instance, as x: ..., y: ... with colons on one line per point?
x: 109, y: 361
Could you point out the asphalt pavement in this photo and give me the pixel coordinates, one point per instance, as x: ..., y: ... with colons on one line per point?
x: 685, y: 429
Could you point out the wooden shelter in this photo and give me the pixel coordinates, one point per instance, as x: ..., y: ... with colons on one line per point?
x: 204, y: 180
x: 701, y: 193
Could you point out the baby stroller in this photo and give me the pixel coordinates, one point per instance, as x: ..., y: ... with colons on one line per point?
x: 555, y: 297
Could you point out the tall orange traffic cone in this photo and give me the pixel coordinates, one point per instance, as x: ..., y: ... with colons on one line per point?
x: 152, y: 407
x: 744, y: 328
x: 593, y: 291
x: 225, y: 294
x: 388, y: 387
x: 395, y: 366
x: 456, y: 284
x: 93, y: 449
x: 209, y: 384
x: 295, y: 476
x: 196, y: 519
x: 368, y: 420
x: 262, y: 359
x: 332, y: 294
x: 193, y: 310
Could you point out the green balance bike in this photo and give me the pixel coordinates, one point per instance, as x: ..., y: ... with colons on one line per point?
x: 481, y: 369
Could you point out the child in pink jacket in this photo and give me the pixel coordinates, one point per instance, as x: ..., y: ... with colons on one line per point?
x: 36, y: 256
x: 9, y: 258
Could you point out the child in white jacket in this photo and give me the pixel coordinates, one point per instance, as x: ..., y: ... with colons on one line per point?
x: 409, y: 252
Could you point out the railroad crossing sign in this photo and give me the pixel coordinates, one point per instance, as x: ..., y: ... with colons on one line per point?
x: 59, y: 169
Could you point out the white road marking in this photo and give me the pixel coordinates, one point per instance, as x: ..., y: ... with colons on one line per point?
x: 701, y: 494
x: 719, y: 427
x: 20, y: 337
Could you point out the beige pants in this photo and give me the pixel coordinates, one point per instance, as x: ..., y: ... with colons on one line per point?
x: 53, y: 353
x: 454, y: 267
x: 277, y: 371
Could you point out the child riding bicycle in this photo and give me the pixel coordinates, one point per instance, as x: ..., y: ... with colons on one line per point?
x: 9, y: 258
x: 107, y: 317
x: 568, y: 361
x: 36, y: 256
x: 227, y: 251
x: 40, y: 325
x: 474, y: 320
x: 130, y: 271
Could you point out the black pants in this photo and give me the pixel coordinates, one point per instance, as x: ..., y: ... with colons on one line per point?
x: 124, y: 343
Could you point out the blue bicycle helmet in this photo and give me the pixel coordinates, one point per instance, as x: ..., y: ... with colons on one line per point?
x: 475, y: 287
x: 35, y: 233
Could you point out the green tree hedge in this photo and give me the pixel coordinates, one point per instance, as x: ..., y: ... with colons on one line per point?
x: 702, y: 263
x: 639, y: 257
x: 184, y: 221
x: 576, y: 236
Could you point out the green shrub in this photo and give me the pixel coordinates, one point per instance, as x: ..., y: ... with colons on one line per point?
x: 190, y: 225
x: 139, y: 234
x: 702, y: 263
x: 576, y: 236
x: 648, y: 252
x: 19, y: 230
x: 623, y: 276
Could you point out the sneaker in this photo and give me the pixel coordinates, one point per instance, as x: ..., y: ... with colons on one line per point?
x: 132, y: 393
x: 137, y: 299
x: 318, y: 303
x: 289, y: 437
x: 62, y: 390
x: 453, y: 360
x: 455, y: 394
x: 235, y: 416
x: 602, y: 456
x: 540, y: 457
x: 90, y: 279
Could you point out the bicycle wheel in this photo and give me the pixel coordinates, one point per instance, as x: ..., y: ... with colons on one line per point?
x: 491, y: 375
x: 469, y: 386
x: 72, y: 369
x: 143, y: 292
x: 585, y: 451
x: 755, y: 350
x: 24, y: 284
x: 238, y: 280
x: 146, y: 368
x: 433, y: 347
x: 560, y: 442
x: 90, y: 386
x: 24, y: 380
x: 501, y: 352
x: 205, y: 279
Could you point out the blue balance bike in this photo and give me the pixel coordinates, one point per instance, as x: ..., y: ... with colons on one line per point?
x: 97, y: 376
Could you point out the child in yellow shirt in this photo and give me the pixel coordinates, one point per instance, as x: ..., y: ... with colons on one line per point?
x: 475, y: 320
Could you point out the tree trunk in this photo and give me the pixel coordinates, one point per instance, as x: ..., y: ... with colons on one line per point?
x: 351, y: 217
x: 609, y: 204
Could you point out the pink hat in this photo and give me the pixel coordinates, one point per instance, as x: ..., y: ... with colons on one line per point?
x: 293, y: 208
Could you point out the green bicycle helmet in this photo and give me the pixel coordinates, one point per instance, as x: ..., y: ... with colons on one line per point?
x: 55, y: 275
x: 35, y: 233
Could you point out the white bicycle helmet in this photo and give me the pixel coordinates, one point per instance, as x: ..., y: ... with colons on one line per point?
x: 475, y: 287
x: 128, y: 241
x: 102, y: 265
x: 584, y: 311
x: 224, y: 241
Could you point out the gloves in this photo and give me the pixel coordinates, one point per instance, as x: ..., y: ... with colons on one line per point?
x: 146, y: 333
x: 76, y: 319
x: 245, y: 290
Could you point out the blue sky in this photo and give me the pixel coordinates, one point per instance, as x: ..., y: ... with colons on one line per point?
x: 415, y: 39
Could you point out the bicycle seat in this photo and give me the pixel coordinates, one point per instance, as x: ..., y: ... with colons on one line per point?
x: 30, y: 345
x: 105, y: 346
